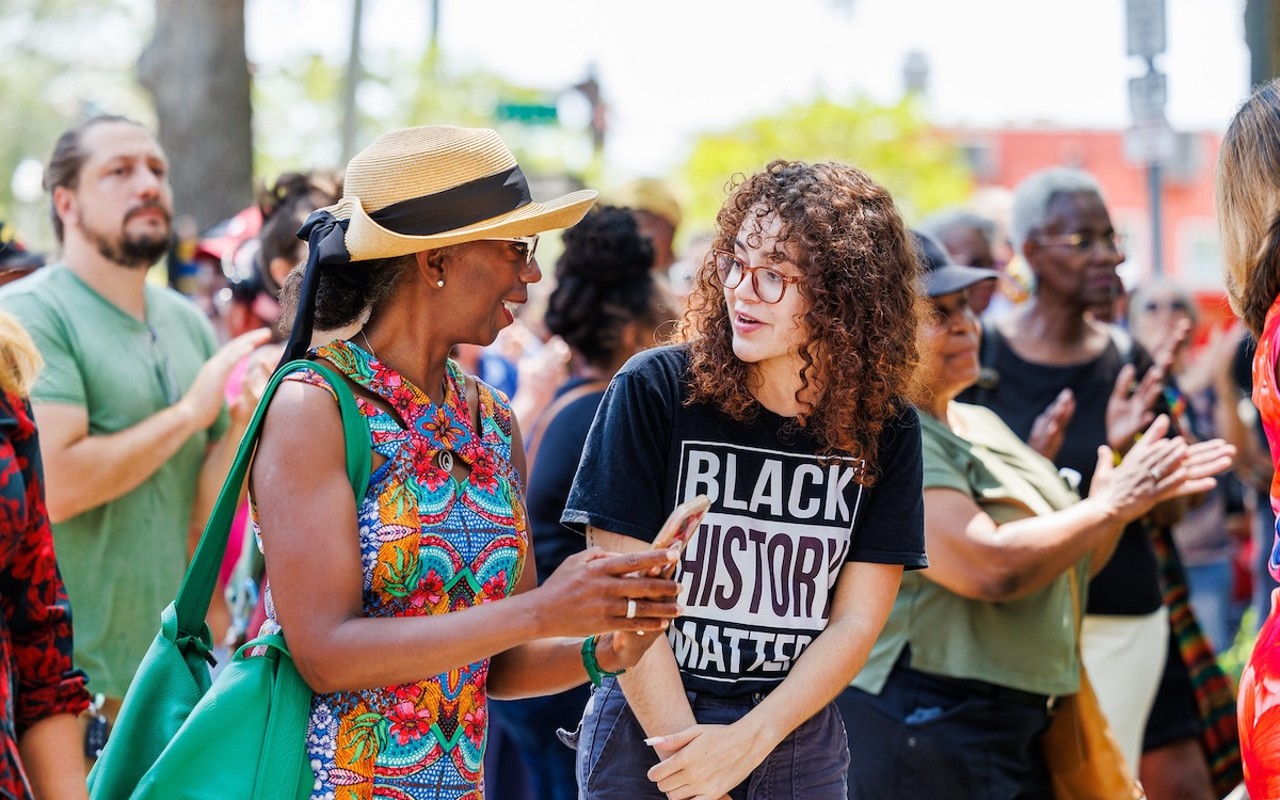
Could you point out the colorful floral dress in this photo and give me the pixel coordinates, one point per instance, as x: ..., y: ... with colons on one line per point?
x: 1259, y: 697
x: 429, y: 544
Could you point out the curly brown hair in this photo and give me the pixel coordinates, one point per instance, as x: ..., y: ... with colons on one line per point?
x: 860, y: 282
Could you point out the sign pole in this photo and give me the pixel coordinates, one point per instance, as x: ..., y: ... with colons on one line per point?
x: 1157, y: 242
x: 1150, y: 140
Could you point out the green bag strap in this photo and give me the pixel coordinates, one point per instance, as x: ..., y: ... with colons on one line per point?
x: 290, y: 702
x: 201, y: 577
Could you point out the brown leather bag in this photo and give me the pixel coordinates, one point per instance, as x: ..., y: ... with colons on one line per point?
x: 1084, y: 758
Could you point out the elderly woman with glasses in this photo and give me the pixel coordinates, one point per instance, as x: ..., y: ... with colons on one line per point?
x: 982, y: 645
x: 1067, y: 383
x: 784, y: 405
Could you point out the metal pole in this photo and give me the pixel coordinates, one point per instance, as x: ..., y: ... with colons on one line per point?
x: 1157, y: 246
x: 435, y: 24
x: 354, y: 70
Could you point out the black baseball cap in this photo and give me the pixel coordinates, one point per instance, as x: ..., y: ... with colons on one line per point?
x: 941, y: 275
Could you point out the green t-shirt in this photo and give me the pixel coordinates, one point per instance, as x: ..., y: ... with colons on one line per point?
x: 122, y: 562
x: 1027, y: 644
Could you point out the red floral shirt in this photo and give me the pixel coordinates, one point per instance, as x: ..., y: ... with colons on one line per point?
x: 36, y: 676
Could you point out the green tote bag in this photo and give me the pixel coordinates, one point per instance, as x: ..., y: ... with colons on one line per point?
x: 243, y: 738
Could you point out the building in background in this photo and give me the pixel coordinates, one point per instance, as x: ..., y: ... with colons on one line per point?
x: 1002, y: 157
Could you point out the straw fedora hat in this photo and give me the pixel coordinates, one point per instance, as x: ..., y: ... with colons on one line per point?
x: 421, y: 188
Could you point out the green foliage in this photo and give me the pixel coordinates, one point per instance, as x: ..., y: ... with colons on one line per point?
x: 64, y: 60
x: 296, y: 108
x: 1234, y: 658
x: 894, y: 144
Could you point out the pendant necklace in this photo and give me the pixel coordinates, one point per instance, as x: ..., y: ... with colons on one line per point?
x: 365, y: 336
x: 444, y: 458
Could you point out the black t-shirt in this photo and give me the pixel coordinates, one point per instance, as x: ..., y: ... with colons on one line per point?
x: 551, y: 476
x: 1129, y: 584
x: 759, y: 575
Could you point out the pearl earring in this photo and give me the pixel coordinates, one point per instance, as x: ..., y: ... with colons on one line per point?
x: 440, y: 283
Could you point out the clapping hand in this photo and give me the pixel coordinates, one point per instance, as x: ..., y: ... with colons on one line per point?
x: 1050, y: 428
x: 1129, y: 409
x: 1156, y: 469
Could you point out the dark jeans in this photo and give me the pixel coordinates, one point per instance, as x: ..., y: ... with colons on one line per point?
x: 531, y: 726
x: 925, y: 737
x: 613, y: 759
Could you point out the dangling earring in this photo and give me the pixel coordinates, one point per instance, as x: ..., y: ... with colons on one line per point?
x: 440, y: 283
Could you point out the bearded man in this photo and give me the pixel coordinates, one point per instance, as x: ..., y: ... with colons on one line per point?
x: 135, y: 436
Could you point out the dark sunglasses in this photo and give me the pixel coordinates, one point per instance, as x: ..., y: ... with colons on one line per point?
x: 1178, y: 306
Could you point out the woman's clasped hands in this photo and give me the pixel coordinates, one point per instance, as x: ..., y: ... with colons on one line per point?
x: 704, y: 762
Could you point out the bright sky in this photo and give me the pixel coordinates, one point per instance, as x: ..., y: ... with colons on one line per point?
x: 672, y: 68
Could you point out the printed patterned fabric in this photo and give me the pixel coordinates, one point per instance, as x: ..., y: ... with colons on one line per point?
x: 1266, y: 396
x: 36, y: 676
x: 1215, y: 696
x: 430, y: 544
x: 1259, y: 699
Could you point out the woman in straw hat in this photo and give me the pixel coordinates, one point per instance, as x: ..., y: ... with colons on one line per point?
x: 785, y: 407
x: 388, y: 603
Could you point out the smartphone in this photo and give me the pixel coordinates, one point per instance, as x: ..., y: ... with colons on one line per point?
x: 682, y: 524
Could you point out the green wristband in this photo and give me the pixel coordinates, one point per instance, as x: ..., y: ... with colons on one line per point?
x: 594, y: 671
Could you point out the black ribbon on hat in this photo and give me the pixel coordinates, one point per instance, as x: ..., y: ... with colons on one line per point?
x: 326, y: 237
x: 467, y: 204
x: 463, y: 205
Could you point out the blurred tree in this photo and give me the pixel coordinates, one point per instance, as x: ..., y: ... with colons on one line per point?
x: 222, y: 124
x: 64, y: 59
x: 198, y: 74
x: 894, y: 144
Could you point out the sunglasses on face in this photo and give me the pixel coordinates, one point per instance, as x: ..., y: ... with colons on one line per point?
x: 1111, y: 243
x: 1172, y: 306
x: 530, y: 245
x: 768, y: 283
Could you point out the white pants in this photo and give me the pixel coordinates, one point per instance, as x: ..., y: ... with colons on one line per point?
x: 1125, y: 659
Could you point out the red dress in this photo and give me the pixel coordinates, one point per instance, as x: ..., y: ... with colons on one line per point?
x: 1259, y: 703
x: 36, y: 676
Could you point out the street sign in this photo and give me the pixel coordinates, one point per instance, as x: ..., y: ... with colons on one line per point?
x: 1147, y: 95
x: 1150, y: 141
x: 1145, y: 27
x: 526, y: 113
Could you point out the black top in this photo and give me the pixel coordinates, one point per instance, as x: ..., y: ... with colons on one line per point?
x: 1129, y: 583
x: 551, y: 476
x: 759, y: 574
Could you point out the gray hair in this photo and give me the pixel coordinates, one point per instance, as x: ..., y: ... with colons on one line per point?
x: 1032, y: 198
x: 942, y: 224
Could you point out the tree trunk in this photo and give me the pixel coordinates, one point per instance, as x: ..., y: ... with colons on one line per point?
x: 198, y: 74
x: 1263, y: 38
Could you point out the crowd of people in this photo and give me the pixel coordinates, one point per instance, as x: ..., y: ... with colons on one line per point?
x: 955, y: 473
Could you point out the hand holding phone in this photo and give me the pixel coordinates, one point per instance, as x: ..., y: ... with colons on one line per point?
x: 681, y: 525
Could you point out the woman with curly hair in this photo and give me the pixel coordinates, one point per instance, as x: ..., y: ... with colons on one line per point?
x: 784, y: 405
